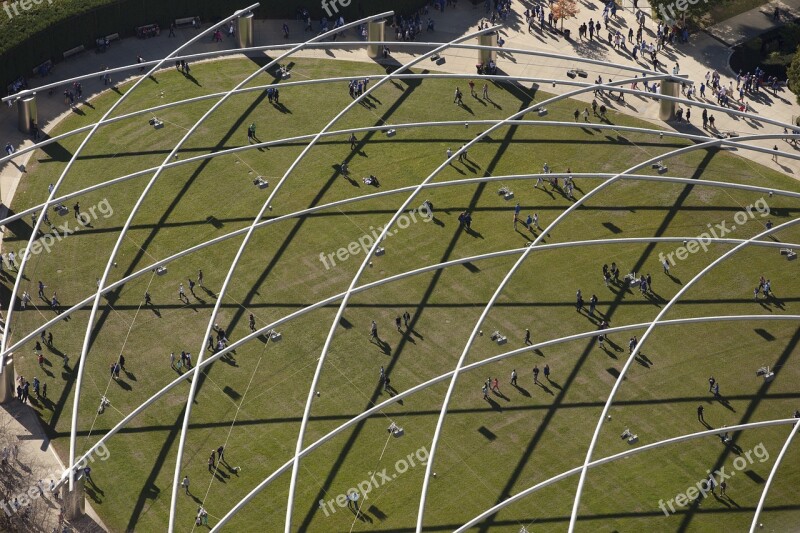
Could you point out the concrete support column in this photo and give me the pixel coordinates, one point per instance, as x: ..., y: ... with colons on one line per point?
x: 667, y: 108
x: 26, y: 108
x: 484, y: 56
x: 74, y: 500
x: 376, y: 31
x: 8, y: 388
x: 244, y: 35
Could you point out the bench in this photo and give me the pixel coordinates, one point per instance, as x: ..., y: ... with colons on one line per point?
x: 112, y: 37
x: 186, y: 21
x: 148, y: 30
x: 43, y: 69
x: 74, y: 51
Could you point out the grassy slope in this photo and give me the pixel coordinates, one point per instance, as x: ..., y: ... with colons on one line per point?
x: 261, y: 394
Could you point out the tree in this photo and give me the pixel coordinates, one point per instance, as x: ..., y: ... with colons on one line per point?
x: 564, y: 9
x: 793, y: 75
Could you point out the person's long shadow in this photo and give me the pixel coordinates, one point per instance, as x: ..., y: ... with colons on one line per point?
x: 123, y: 385
x: 493, y: 404
x: 724, y: 402
x: 643, y: 360
x: 522, y: 390
x: 554, y: 383
x: 185, y: 75
x: 546, y: 389
x: 382, y: 345
x: 472, y: 233
x: 501, y: 395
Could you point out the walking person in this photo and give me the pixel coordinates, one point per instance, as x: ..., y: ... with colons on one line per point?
x: 373, y: 331
x: 700, y: 410
x: 200, y: 278
x: 181, y: 294
x: 536, y: 374
x: 514, y: 377
x: 547, y: 372
x: 185, y: 484
x: 528, y: 337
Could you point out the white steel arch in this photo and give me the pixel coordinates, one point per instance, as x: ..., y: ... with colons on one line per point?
x: 772, y: 473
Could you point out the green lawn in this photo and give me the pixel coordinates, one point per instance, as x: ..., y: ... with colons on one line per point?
x: 254, y: 400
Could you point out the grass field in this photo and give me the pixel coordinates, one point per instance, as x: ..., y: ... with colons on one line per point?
x: 253, y: 401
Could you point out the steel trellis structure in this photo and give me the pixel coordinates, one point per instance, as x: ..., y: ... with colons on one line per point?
x: 413, y: 191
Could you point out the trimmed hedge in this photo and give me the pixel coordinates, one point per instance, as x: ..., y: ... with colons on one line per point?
x: 47, y: 30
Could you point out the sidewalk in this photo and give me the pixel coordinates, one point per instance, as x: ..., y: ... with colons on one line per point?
x: 753, y: 23
x: 37, y: 460
x: 703, y: 53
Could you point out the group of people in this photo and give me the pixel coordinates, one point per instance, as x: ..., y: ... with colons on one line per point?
x: 357, y: 87
x: 73, y: 94
x: 465, y: 219
x: 764, y: 286
x: 567, y: 188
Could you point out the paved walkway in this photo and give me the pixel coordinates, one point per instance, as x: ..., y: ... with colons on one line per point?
x: 36, y: 461
x: 753, y: 23
x: 703, y: 53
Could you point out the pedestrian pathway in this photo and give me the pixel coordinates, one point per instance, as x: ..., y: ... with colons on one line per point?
x: 37, y: 460
x: 703, y: 53
x: 753, y: 23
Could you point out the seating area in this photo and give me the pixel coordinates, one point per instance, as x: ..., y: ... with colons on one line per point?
x: 43, y: 69
x: 188, y: 21
x: 74, y: 51
x: 102, y: 43
x: 149, y: 30
x: 17, y: 85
